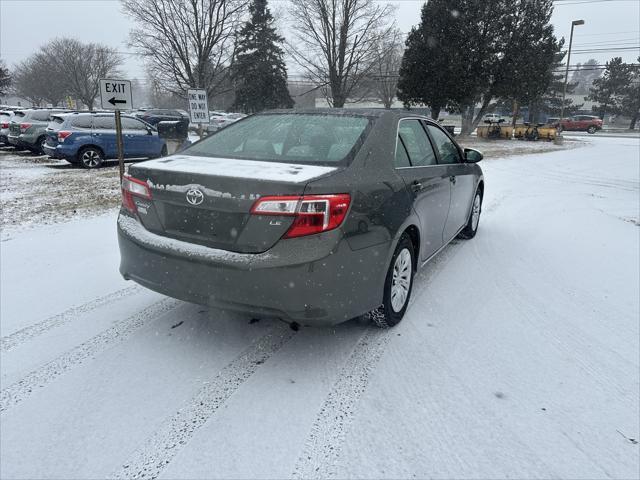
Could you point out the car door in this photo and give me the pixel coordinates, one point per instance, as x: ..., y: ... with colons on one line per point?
x: 573, y: 123
x: 137, y: 140
x: 460, y: 176
x: 584, y: 122
x: 426, y: 181
x: 104, y: 134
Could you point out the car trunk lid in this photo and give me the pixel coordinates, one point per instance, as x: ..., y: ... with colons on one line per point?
x: 208, y: 200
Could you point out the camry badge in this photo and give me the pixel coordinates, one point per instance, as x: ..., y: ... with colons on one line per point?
x: 195, y: 196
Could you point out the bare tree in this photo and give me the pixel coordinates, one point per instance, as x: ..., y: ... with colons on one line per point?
x: 187, y: 43
x: 335, y: 41
x: 80, y: 65
x: 37, y: 80
x: 27, y: 83
x: 384, y: 73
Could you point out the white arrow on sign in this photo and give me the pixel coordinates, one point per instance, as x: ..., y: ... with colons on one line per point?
x: 115, y: 94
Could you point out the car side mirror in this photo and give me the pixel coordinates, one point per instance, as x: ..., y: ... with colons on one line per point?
x: 472, y: 155
x: 149, y: 131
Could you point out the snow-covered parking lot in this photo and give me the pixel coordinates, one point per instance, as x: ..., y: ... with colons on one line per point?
x: 518, y: 357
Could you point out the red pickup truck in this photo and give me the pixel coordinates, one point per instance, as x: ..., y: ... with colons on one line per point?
x: 583, y: 123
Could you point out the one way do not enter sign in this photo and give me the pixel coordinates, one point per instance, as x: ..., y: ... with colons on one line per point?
x: 116, y: 94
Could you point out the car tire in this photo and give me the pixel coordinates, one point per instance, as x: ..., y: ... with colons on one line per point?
x: 592, y: 130
x: 90, y: 157
x: 397, y: 286
x: 163, y: 152
x: 471, y: 228
x: 41, y: 143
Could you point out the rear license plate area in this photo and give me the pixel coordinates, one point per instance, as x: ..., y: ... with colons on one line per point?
x: 190, y: 221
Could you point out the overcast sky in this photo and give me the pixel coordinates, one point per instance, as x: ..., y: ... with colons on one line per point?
x: 27, y: 24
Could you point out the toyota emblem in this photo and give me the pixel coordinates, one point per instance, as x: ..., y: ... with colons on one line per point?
x: 195, y: 196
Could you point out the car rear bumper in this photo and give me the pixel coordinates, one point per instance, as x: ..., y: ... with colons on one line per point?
x: 60, y: 152
x: 302, y: 280
x: 14, y: 140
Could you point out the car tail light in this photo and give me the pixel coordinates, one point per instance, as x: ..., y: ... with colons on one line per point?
x: 24, y: 127
x: 4, y: 125
x: 62, y: 134
x: 313, y: 213
x: 133, y: 187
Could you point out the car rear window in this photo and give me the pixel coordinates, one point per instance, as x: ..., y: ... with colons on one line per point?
x: 319, y: 139
x: 19, y: 114
x: 55, y: 124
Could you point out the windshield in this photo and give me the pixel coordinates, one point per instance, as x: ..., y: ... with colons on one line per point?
x: 293, y: 138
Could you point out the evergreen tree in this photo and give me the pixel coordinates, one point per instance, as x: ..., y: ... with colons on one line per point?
x: 433, y: 63
x: 467, y: 52
x: 630, y: 101
x: 609, y: 90
x: 550, y: 102
x: 259, y: 72
x: 5, y: 78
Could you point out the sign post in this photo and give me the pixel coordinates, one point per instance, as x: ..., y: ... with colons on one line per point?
x: 116, y: 95
x: 198, y: 107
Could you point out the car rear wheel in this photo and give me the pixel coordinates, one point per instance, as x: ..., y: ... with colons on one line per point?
x: 397, y: 286
x: 471, y: 228
x: 41, y: 143
x: 90, y: 157
x: 592, y: 130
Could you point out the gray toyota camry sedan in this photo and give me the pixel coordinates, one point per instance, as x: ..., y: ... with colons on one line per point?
x: 314, y: 216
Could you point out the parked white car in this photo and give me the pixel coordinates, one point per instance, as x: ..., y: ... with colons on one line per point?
x: 492, y: 117
x: 219, y: 120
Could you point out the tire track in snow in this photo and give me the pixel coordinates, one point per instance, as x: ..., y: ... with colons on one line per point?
x: 158, y: 450
x: 17, y: 392
x: 323, y: 445
x: 17, y: 338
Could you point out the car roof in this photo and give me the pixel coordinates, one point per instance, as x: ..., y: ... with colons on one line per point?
x: 356, y: 112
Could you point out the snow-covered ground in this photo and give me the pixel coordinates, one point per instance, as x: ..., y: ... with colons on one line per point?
x: 518, y: 357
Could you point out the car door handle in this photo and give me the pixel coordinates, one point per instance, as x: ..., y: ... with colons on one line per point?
x: 452, y: 179
x: 416, y: 186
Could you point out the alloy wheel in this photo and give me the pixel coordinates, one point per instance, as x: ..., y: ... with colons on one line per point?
x: 475, y: 212
x: 401, y: 282
x: 91, y: 158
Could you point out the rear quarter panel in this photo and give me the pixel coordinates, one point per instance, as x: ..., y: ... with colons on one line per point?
x: 381, y: 207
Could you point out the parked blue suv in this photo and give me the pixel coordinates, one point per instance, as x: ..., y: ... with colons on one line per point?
x: 88, y: 139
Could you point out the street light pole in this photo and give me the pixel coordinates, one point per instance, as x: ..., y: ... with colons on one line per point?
x: 566, y: 74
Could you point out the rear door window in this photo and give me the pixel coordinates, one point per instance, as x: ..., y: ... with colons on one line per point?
x: 402, y: 158
x: 414, y: 139
x: 40, y: 115
x: 104, y: 123
x: 83, y: 122
x: 447, y: 150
